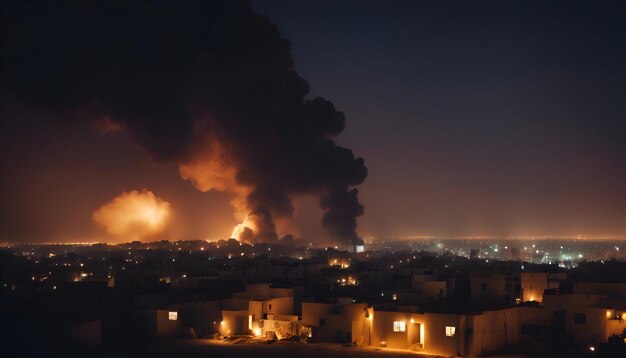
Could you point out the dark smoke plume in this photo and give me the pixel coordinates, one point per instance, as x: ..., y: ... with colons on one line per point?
x: 208, y: 85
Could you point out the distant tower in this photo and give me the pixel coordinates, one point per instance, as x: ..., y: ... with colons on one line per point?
x: 474, y: 253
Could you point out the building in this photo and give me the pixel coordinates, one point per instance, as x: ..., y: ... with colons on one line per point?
x: 340, y: 323
x: 260, y: 310
x: 447, y: 334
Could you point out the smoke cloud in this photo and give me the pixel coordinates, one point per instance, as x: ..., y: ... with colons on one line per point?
x: 210, y: 86
x: 133, y: 215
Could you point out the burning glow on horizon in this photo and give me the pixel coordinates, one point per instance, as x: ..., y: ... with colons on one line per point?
x: 212, y: 169
x: 133, y: 215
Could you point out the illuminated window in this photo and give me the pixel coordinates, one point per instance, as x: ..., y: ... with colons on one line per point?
x: 394, y: 296
x: 173, y: 316
x: 450, y: 330
x: 399, y: 326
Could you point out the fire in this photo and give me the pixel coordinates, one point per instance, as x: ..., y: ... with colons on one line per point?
x: 133, y: 215
x: 213, y: 168
x: 243, y: 230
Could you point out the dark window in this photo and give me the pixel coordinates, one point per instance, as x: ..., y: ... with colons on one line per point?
x: 531, y: 329
x: 580, y: 318
x: 531, y: 287
x: 322, y: 322
x: 270, y: 306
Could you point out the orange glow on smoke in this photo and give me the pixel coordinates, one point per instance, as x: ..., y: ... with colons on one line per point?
x: 240, y: 229
x: 133, y: 215
x: 212, y: 168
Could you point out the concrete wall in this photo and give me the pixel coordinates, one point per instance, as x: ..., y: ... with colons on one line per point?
x: 489, y: 288
x: 492, y: 331
x: 383, y: 333
x: 594, y: 328
x: 203, y: 317
x: 279, y: 305
x: 614, y: 326
x: 425, y: 332
x: 341, y: 323
x: 234, y: 323
x: 165, y: 327
x: 435, y: 339
x: 280, y: 292
x: 571, y: 305
x: 476, y: 334
x: 595, y: 324
x: 255, y: 309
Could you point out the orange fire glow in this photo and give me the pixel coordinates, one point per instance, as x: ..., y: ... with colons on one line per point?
x: 133, y: 215
x: 212, y: 169
x: 239, y: 230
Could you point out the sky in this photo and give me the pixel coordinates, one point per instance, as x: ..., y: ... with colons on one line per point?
x: 473, y: 118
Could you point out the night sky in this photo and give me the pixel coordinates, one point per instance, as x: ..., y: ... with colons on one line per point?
x: 473, y: 118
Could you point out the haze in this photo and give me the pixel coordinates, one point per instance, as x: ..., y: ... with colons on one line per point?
x: 484, y: 120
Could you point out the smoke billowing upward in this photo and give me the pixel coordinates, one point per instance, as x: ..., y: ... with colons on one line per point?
x: 210, y: 86
x: 133, y: 215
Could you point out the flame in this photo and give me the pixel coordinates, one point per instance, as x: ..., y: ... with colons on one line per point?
x: 242, y: 231
x: 133, y: 215
x: 212, y: 168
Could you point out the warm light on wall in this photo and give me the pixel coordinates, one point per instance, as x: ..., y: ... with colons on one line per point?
x: 249, y: 321
x: 257, y: 332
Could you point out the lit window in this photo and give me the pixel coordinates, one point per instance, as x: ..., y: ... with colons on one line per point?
x: 450, y: 331
x: 394, y: 296
x: 173, y: 316
x: 399, y: 326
